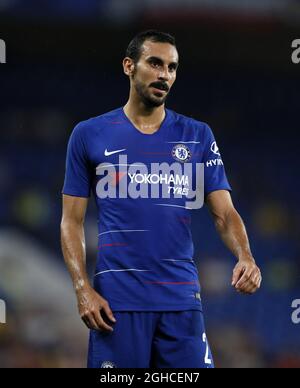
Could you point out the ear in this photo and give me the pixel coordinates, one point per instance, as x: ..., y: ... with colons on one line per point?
x: 128, y: 66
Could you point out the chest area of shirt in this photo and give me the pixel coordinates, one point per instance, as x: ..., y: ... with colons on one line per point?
x: 148, y: 166
x: 131, y: 148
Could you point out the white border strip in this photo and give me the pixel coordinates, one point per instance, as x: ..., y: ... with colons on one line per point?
x: 119, y: 164
x: 183, y: 142
x: 122, y: 270
x: 123, y: 230
x: 183, y: 207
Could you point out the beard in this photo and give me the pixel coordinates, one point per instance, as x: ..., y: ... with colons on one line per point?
x: 148, y: 99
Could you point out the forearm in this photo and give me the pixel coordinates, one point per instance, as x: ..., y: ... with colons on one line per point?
x: 233, y: 233
x: 73, y: 247
x: 246, y: 275
x: 90, y: 303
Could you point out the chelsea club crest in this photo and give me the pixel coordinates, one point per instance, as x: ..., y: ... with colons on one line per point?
x: 181, y: 153
x: 108, y: 364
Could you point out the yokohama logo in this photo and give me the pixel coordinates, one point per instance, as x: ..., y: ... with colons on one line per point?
x: 159, y: 179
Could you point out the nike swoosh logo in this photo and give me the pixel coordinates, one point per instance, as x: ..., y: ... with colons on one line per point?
x: 108, y: 153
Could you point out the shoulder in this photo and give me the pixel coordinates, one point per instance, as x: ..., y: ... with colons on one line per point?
x: 86, y: 127
x: 200, y: 127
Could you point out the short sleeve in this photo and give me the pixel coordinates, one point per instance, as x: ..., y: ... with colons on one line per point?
x: 214, y: 170
x: 78, y: 176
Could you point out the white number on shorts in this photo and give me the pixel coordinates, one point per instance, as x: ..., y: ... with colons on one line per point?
x: 207, y: 360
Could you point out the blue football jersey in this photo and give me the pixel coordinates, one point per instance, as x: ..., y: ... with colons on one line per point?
x: 145, y: 187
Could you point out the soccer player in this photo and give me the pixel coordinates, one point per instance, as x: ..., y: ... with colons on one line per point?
x: 143, y: 163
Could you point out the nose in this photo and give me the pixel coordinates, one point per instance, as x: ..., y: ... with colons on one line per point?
x: 164, y: 74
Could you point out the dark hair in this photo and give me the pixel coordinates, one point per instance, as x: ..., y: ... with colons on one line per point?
x: 134, y: 48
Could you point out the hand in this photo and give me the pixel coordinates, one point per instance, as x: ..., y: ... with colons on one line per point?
x: 91, y: 308
x: 246, y: 277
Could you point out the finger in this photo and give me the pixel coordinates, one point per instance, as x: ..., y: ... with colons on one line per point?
x: 257, y: 280
x: 237, y: 273
x: 98, y: 319
x: 91, y: 321
x: 106, y: 327
x: 251, y: 285
x: 252, y: 289
x: 260, y: 281
x: 109, y: 313
x: 100, y: 322
x: 249, y: 289
x: 245, y: 289
x: 244, y: 279
x: 86, y: 322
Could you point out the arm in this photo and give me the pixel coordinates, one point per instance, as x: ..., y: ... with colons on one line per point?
x: 91, y: 305
x: 246, y: 275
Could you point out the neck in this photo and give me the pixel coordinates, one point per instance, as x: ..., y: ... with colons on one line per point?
x: 145, y: 119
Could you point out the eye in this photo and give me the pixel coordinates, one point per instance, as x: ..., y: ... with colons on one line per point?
x: 172, y: 68
x: 154, y: 64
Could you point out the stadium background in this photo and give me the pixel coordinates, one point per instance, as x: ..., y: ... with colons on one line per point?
x: 63, y: 66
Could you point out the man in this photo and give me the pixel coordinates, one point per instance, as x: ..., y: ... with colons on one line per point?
x: 141, y: 162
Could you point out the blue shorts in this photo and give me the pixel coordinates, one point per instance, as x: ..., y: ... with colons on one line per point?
x: 152, y: 340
